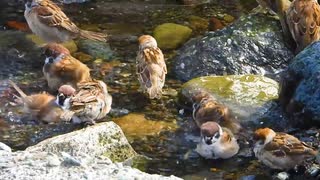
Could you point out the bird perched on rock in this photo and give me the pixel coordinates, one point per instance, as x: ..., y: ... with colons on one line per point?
x: 303, y: 19
x: 209, y: 109
x: 280, y: 150
x: 280, y: 8
x: 40, y: 106
x: 61, y: 68
x: 216, y: 142
x: 151, y: 67
x: 49, y: 22
x: 89, y: 102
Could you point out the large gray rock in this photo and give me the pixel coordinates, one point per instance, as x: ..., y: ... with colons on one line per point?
x: 252, y: 45
x: 83, y: 154
x: 300, y: 90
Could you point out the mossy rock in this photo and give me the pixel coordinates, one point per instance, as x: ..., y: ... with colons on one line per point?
x: 103, y: 139
x: 96, y: 49
x: 171, y: 36
x: 243, y: 94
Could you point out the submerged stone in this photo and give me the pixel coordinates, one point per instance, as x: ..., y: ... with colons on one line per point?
x: 170, y: 35
x: 96, y: 49
x: 251, y: 45
x: 136, y: 125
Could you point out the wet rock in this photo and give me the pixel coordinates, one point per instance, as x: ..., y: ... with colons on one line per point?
x: 228, y: 18
x: 96, y: 49
x: 252, y: 45
x: 83, y: 57
x: 83, y: 155
x: 198, y: 24
x: 170, y: 35
x: 215, y: 24
x: 300, y: 88
x: 246, y: 95
x: 102, y: 139
x: 136, y: 125
x: 282, y: 176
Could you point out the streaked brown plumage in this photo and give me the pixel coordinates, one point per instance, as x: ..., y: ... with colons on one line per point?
x: 151, y: 67
x: 303, y: 19
x: 48, y: 21
x: 209, y: 109
x: 89, y: 102
x: 280, y: 150
x: 61, y: 68
x: 40, y: 106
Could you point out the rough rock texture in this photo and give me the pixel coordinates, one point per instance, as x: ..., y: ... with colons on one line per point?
x: 252, y: 45
x: 96, y: 49
x: 171, y: 36
x: 81, y: 154
x: 247, y: 96
x: 300, y: 90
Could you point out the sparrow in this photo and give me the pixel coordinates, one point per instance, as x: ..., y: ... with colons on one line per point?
x: 279, y: 150
x: 61, y: 68
x: 151, y: 67
x: 303, y: 19
x: 49, y: 22
x: 208, y: 110
x: 89, y: 102
x: 216, y: 142
x: 280, y: 8
x: 40, y: 106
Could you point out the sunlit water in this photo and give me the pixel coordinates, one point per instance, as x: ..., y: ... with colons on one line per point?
x: 170, y: 151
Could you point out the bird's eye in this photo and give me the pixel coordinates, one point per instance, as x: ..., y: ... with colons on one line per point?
x: 217, y: 135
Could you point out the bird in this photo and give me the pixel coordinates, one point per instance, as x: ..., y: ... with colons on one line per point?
x: 40, y: 106
x: 61, y: 68
x: 151, y: 67
x: 216, y: 142
x: 279, y: 150
x: 51, y: 24
x: 280, y: 8
x: 303, y: 19
x: 88, y: 103
x: 209, y: 109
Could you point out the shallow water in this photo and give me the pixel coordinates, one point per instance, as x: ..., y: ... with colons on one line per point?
x: 169, y: 147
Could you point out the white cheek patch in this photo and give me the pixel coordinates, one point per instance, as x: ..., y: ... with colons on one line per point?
x: 46, y: 61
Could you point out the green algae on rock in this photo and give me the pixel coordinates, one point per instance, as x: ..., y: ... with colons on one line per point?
x: 136, y: 125
x: 171, y: 36
x: 245, y: 95
x: 103, y: 139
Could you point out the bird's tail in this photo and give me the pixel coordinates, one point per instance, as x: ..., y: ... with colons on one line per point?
x: 95, y: 36
x: 15, y: 86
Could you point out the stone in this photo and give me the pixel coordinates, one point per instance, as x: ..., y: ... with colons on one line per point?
x: 228, y: 18
x: 83, y: 57
x: 96, y: 49
x: 171, y: 36
x: 247, y: 96
x: 136, y: 125
x: 251, y: 45
x: 83, y: 154
x: 4, y: 147
x: 102, y: 139
x: 300, y: 90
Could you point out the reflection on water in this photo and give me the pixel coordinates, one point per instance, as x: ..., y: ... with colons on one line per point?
x: 170, y: 150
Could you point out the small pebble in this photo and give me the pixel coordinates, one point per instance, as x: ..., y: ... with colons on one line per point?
x: 282, y: 176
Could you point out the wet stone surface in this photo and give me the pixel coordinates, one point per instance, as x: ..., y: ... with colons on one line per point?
x: 170, y: 148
